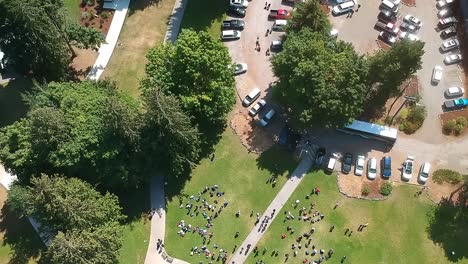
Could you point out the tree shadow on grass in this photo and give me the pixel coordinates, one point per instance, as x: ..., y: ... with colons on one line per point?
x: 200, y: 14
x: 20, y: 236
x: 136, y: 202
x: 449, y: 226
x: 277, y: 160
x: 140, y: 5
x: 12, y: 106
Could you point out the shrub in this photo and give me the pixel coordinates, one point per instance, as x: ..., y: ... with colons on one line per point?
x: 365, y: 190
x: 414, y: 119
x: 105, y: 15
x: 461, y: 120
x: 445, y: 175
x: 90, y: 2
x: 403, y: 113
x: 84, y: 15
x: 386, y: 189
x: 449, y: 126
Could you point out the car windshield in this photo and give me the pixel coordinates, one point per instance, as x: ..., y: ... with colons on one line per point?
x: 348, y: 160
x: 409, y: 167
x: 372, y: 170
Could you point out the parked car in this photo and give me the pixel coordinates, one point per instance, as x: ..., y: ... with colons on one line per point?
x: 447, y: 22
x: 450, y: 44
x: 251, y: 97
x: 456, y: 104
x: 387, y: 38
x: 413, y: 20
x: 280, y: 14
x: 359, y: 166
x: 239, y: 3
x: 236, y: 11
x: 424, y: 172
x: 371, y: 168
x: 256, y: 108
x: 276, y: 45
x: 386, y: 167
x: 334, y: 33
x: 332, y: 162
x: 267, y: 118
x: 393, y: 6
x: 443, y: 3
x: 436, y: 74
x: 236, y: 24
x: 240, y: 68
x: 347, y: 162
x: 343, y: 8
x: 453, y: 58
x: 409, y: 27
x: 455, y: 91
x: 230, y: 34
x: 387, y: 27
x: 445, y: 12
x: 320, y: 156
x: 407, y: 171
x: 407, y: 35
x: 387, y: 16
x: 280, y: 25
x: 449, y: 32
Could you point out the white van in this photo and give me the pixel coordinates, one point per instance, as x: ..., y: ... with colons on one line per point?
x: 251, y: 97
x: 280, y: 25
x: 389, y: 5
x: 343, y: 8
x: 424, y: 172
x: 331, y: 163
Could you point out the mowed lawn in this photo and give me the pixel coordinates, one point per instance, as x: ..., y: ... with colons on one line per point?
x: 397, y: 231
x: 73, y: 9
x: 144, y: 28
x: 205, y: 15
x: 243, y: 177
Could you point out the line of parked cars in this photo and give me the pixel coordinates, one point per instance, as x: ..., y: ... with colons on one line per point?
x: 258, y: 106
x: 231, y: 29
x: 372, y: 167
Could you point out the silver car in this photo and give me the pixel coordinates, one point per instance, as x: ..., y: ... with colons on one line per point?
x: 453, y: 92
x: 450, y: 44
x: 453, y: 58
x: 256, y: 108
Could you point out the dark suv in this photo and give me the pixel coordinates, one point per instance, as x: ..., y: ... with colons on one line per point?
x: 346, y: 164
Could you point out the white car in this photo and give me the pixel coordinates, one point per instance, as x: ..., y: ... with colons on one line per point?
x: 267, y: 118
x: 239, y: 3
x: 450, y: 44
x: 407, y: 35
x: 240, y: 68
x: 334, y: 33
x: 256, y: 108
x: 343, y: 8
x: 442, y: 3
x: 371, y: 168
x: 359, y: 168
x: 453, y: 58
x: 424, y: 172
x: 413, y: 20
x: 332, y: 162
x: 454, y: 92
x: 407, y: 171
x: 230, y: 34
x: 436, y: 74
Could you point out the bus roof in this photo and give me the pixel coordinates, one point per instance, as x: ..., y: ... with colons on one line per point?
x: 383, y: 131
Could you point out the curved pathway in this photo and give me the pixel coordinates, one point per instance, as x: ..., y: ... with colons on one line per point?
x: 158, y: 225
x: 281, y: 198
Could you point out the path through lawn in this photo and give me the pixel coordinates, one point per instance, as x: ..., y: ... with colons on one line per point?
x: 243, y: 177
x: 397, y: 231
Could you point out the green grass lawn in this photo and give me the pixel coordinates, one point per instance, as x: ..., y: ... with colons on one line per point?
x: 205, y: 15
x: 397, y: 231
x: 243, y: 177
x: 136, y: 239
x: 73, y: 9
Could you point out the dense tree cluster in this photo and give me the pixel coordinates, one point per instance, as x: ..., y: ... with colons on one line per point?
x: 322, y: 82
x: 35, y: 36
x: 308, y: 14
x: 84, y: 226
x: 195, y: 70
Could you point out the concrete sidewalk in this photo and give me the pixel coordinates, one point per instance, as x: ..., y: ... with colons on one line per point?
x: 175, y: 20
x: 277, y: 203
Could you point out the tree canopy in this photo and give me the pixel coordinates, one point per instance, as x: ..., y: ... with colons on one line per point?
x: 84, y: 225
x: 35, y: 36
x: 195, y: 70
x: 309, y: 14
x: 169, y: 134
x: 87, y: 129
x: 322, y: 82
x: 389, y: 69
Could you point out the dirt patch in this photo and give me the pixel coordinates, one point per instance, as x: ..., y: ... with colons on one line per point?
x: 437, y: 192
x: 325, y: 8
x: 352, y: 185
x: 409, y: 2
x: 383, y: 45
x: 95, y: 16
x: 82, y: 63
x: 252, y: 136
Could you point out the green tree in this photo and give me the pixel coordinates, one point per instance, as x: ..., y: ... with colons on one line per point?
x: 169, y: 134
x: 321, y: 81
x: 83, y: 224
x: 35, y: 36
x: 195, y: 70
x: 309, y: 14
x: 86, y: 129
x: 389, y: 69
